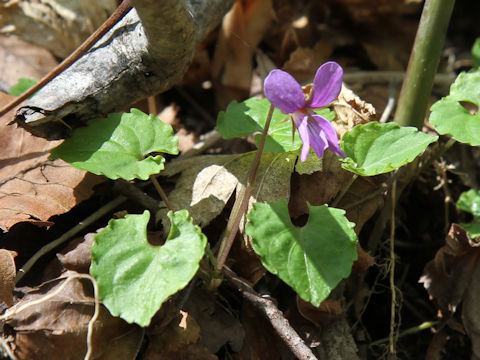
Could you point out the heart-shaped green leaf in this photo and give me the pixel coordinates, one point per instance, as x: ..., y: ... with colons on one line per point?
x: 375, y: 148
x: 119, y: 146
x: 249, y: 116
x: 449, y: 116
x: 134, y: 277
x: 312, y: 259
x: 469, y: 201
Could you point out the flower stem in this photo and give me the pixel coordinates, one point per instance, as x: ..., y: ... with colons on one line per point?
x: 160, y: 191
x: 417, y: 87
x: 235, y: 219
x: 344, y: 190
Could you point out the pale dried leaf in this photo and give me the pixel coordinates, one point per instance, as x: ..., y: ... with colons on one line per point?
x: 351, y: 111
x: 207, y: 182
x: 7, y: 276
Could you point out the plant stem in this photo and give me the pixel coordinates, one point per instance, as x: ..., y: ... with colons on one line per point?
x: 417, y: 87
x: 234, y: 221
x: 160, y: 191
x: 344, y: 190
x: 392, y: 338
x: 414, y: 330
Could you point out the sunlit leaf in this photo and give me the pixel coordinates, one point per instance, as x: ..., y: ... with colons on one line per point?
x: 311, y: 259
x: 476, y: 53
x: 119, y: 146
x: 469, y: 201
x: 134, y: 277
x: 457, y: 114
x: 375, y: 148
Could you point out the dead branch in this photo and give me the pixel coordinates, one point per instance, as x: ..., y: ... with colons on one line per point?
x: 281, y: 325
x: 130, y: 62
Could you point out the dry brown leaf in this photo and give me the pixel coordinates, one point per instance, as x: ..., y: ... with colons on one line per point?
x: 76, y: 255
x: 322, y: 315
x: 368, y: 11
x: 318, y: 188
x: 471, y: 310
x: 304, y: 62
x: 449, y: 274
x: 7, y: 276
x: 242, y: 30
x: 60, y: 26
x: 19, y: 59
x: 261, y: 343
x: 363, y: 262
x: 453, y: 276
x: 32, y: 187
x: 179, y: 340
x: 57, y: 327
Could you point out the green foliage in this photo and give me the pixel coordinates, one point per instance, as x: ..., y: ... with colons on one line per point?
x: 21, y: 86
x: 472, y: 229
x: 312, y: 259
x: 134, y: 277
x: 476, y: 53
x: 375, y: 148
x: 469, y: 201
x: 119, y: 146
x: 449, y: 116
x: 249, y: 116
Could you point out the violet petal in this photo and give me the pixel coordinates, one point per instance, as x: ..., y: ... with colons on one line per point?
x: 327, y: 84
x: 302, y: 126
x: 318, y: 139
x: 330, y: 134
x: 284, y: 92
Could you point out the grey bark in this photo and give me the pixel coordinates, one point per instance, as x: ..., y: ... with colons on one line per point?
x: 135, y: 59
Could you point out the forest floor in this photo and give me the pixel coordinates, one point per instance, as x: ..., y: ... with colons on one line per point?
x: 372, y: 41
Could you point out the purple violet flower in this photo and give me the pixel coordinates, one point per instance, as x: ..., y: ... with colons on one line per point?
x: 286, y: 94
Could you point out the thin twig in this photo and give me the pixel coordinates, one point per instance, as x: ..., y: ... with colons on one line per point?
x: 73, y: 231
x: 281, y: 325
x: 160, y: 191
x: 393, y: 290
x: 117, y: 15
x: 344, y: 190
x: 413, y: 330
x: 209, y: 140
x: 369, y: 77
x: 235, y: 219
x: 390, y: 103
x: 152, y: 105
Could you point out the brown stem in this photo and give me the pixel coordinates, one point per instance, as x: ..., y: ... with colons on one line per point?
x: 117, y: 15
x: 234, y: 221
x: 160, y: 191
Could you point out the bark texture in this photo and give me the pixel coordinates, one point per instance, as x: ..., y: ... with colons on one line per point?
x: 144, y: 54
